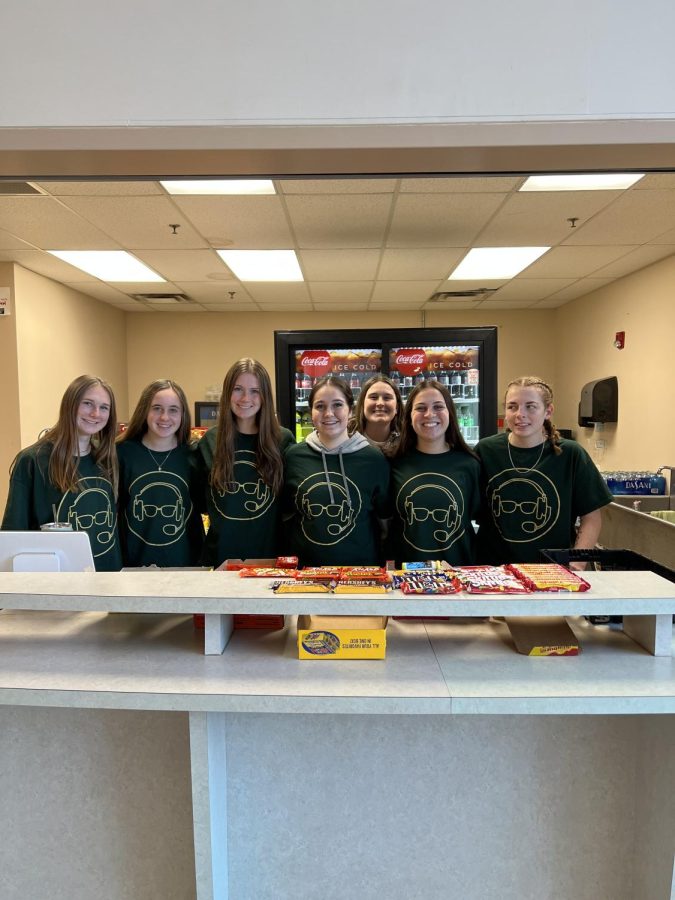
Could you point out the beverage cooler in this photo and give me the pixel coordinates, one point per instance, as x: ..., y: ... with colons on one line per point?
x: 462, y: 359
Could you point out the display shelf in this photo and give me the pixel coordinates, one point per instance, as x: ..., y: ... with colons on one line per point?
x: 646, y: 600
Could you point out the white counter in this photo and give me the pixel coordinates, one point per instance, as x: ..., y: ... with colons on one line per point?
x: 646, y: 598
x: 136, y: 767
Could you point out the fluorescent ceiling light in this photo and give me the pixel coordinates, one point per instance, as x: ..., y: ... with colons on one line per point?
x: 262, y: 265
x: 615, y: 181
x: 484, y: 263
x: 229, y: 186
x: 108, y: 265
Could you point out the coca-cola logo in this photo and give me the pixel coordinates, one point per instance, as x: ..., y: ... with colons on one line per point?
x: 409, y: 361
x: 315, y: 363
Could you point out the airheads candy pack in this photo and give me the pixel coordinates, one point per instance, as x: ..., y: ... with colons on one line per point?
x: 342, y: 637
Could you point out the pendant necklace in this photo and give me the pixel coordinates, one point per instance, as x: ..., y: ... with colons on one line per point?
x: 154, y: 458
x: 521, y: 470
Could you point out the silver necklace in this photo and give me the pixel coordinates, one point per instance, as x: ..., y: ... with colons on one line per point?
x: 521, y: 470
x: 154, y: 458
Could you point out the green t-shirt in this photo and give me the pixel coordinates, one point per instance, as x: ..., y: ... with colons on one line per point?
x: 244, y: 520
x: 33, y: 498
x: 530, y: 503
x: 160, y: 523
x: 342, y: 530
x: 433, y: 498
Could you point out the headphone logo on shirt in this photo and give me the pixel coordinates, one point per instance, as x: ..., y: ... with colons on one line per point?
x: 525, y: 506
x: 156, y: 511
x: 431, y: 509
x: 325, y: 520
x: 91, y: 510
x: 246, y: 496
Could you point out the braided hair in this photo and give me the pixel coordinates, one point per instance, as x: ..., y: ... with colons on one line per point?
x: 546, y: 393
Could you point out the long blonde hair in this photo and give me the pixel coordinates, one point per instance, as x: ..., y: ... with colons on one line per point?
x: 545, y: 391
x: 268, y: 459
x: 65, y: 453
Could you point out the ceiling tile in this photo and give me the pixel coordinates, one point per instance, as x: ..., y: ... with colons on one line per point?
x: 277, y: 291
x: 580, y: 288
x: 530, y: 289
x: 245, y: 223
x: 100, y: 291
x: 330, y: 291
x: 45, y: 223
x: 506, y: 304
x: 575, y: 262
x: 415, y: 291
x: 446, y: 220
x: 215, y: 291
x: 139, y: 223
x: 100, y: 188
x: 419, y: 264
x: 449, y: 306
x: 342, y: 222
x: 188, y: 265
x: 550, y: 303
x: 637, y: 259
x: 338, y: 186
x: 336, y: 265
x: 286, y: 307
x: 660, y: 181
x: 9, y: 242
x: 637, y: 217
x: 52, y: 267
x: 541, y: 219
x: 460, y: 185
x: 396, y: 304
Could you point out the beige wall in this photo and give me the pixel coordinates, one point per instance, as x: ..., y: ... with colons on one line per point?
x: 196, y: 349
x: 54, y: 334
x: 10, y: 442
x: 641, y: 305
x: 62, y: 334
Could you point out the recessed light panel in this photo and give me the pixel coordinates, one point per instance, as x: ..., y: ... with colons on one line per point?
x: 485, y: 263
x: 262, y: 265
x: 614, y: 181
x: 108, y: 265
x: 213, y: 187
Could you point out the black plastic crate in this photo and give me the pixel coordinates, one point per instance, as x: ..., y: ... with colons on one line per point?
x: 608, y: 561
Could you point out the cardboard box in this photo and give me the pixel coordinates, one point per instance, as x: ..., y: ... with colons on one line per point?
x: 543, y: 636
x: 342, y: 637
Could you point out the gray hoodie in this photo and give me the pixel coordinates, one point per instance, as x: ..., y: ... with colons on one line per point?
x: 350, y: 445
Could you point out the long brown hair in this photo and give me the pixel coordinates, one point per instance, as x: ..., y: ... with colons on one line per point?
x: 63, y: 437
x: 268, y: 459
x: 359, y: 422
x: 138, y: 423
x: 545, y: 391
x: 453, y: 435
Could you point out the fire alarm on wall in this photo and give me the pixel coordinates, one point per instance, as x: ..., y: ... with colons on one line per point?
x: 620, y: 340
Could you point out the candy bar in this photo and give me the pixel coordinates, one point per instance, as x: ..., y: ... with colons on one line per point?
x: 489, y: 580
x: 302, y: 587
x: 548, y: 577
x: 265, y: 572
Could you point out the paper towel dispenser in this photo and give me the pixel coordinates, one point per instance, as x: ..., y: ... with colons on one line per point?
x: 599, y: 402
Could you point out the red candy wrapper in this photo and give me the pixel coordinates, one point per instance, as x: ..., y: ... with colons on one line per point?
x: 548, y: 577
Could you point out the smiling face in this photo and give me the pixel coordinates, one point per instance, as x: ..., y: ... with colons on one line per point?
x: 524, y: 415
x: 380, y: 404
x: 330, y: 414
x: 430, y: 419
x: 93, y: 413
x: 164, y: 416
x: 246, y: 402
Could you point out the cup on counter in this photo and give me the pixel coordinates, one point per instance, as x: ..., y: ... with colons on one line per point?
x: 56, y: 526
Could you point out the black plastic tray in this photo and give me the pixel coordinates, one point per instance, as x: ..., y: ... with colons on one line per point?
x: 609, y: 561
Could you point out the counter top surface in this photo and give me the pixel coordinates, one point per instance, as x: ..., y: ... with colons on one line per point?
x: 225, y: 592
x: 136, y: 661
